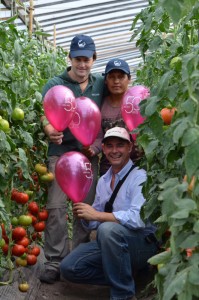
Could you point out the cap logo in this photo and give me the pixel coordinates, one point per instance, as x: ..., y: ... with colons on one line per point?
x: 117, y: 63
x: 81, y: 44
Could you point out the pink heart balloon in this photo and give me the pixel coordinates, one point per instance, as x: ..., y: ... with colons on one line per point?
x: 59, y: 106
x: 130, y: 106
x: 74, y: 175
x: 86, y: 122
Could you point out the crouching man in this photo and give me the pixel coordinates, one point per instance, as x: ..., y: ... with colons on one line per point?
x: 123, y: 243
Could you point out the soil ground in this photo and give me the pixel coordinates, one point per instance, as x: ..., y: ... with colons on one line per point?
x: 65, y: 290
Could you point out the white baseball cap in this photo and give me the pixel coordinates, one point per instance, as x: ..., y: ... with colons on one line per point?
x: 119, y: 132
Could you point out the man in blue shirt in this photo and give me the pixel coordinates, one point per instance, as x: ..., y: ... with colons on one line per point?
x: 122, y: 244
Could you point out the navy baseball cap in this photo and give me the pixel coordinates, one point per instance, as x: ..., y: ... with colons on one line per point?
x: 117, y: 64
x: 82, y: 45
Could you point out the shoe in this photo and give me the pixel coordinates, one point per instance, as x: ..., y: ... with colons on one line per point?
x: 49, y: 276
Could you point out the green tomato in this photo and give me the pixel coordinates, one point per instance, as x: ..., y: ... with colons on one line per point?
x: 30, y: 69
x: 25, y: 220
x: 2, y: 243
x: 176, y: 62
x: 48, y: 177
x: 4, y: 125
x: 17, y: 114
x: 30, y: 193
x: 21, y: 262
x: 7, y: 66
x: 14, y: 221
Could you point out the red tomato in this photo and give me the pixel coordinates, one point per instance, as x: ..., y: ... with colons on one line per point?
x: 18, y: 233
x: 167, y: 114
x: 24, y: 242
x: 36, y: 235
x: 13, y: 194
x: 34, y: 177
x: 43, y: 215
x: 31, y: 259
x: 33, y: 208
x: 21, y: 198
x: 18, y: 250
x: 5, y: 249
x: 39, y: 226
x: 34, y: 250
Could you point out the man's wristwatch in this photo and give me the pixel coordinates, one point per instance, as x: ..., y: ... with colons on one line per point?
x: 45, y: 122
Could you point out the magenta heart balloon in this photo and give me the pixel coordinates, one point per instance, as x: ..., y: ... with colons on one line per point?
x: 86, y: 121
x: 130, y: 106
x: 59, y: 106
x: 74, y: 175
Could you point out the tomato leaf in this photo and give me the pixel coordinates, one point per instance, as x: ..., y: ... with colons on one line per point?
x: 160, y: 258
x: 196, y: 227
x: 190, y: 242
x: 190, y: 136
x: 176, y: 286
x: 192, y: 158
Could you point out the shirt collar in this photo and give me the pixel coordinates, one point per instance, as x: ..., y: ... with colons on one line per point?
x: 121, y: 173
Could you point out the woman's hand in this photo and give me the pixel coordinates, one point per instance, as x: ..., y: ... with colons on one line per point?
x: 88, y: 151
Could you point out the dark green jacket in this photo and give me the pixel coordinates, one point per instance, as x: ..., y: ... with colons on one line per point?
x: 94, y: 91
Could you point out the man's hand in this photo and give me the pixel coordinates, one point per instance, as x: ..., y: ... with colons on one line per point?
x: 53, y: 135
x: 85, y: 211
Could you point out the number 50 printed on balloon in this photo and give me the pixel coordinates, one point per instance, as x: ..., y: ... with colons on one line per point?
x: 130, y: 106
x: 74, y: 175
x: 86, y: 121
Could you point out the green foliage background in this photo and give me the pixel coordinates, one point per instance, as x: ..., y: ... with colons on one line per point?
x: 26, y: 64
x: 168, y: 30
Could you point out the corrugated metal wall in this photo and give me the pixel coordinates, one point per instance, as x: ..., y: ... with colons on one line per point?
x: 107, y: 22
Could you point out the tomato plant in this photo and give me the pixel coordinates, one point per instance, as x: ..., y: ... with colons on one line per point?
x: 167, y: 33
x: 26, y: 64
